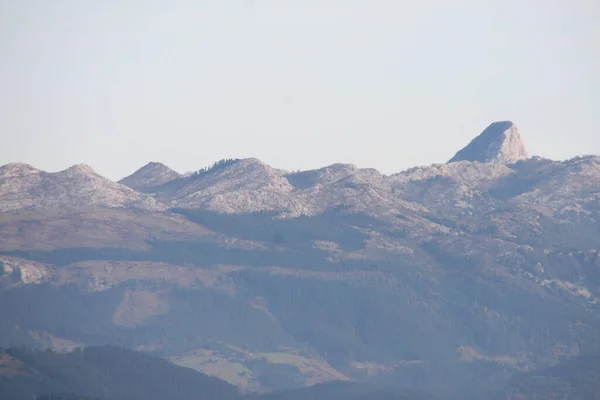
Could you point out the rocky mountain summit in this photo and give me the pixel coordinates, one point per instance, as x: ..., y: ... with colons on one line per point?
x: 499, y: 142
x: 150, y: 176
x: 450, y: 275
x: 24, y: 187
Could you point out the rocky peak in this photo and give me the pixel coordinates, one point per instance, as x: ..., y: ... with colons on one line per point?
x: 251, y: 161
x: 79, y: 170
x: 24, y: 187
x: 150, y: 175
x: 325, y: 175
x: 499, y: 142
x: 17, y: 169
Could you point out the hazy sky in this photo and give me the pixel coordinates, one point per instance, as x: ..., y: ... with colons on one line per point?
x: 297, y: 83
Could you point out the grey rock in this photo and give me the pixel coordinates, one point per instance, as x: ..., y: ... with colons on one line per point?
x: 150, y: 176
x: 24, y: 187
x: 499, y: 142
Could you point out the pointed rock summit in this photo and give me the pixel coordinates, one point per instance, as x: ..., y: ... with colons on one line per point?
x: 499, y: 142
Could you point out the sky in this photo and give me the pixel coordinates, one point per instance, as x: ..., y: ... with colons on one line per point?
x: 300, y: 84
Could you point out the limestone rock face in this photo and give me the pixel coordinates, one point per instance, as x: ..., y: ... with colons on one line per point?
x: 499, y: 142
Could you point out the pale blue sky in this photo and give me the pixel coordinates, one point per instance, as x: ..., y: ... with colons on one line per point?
x: 297, y: 83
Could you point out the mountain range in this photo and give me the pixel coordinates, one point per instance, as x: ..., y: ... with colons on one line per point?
x: 451, y: 277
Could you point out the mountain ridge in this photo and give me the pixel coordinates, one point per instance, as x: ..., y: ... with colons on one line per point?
x: 25, y: 187
x: 256, y: 186
x: 249, y: 185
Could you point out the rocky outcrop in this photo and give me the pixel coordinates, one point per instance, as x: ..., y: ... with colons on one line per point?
x: 149, y: 177
x: 24, y: 187
x: 499, y: 142
x: 247, y: 185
